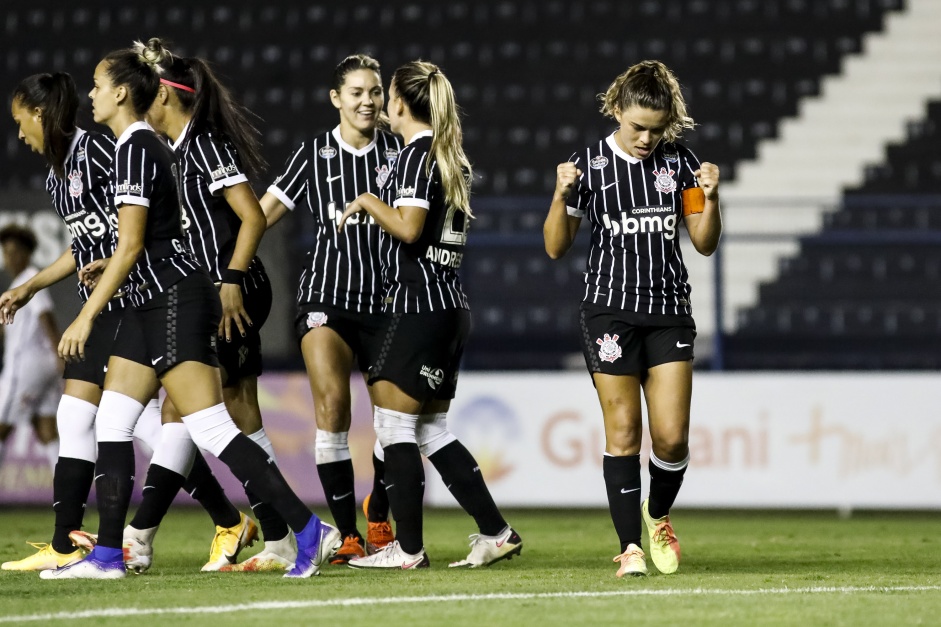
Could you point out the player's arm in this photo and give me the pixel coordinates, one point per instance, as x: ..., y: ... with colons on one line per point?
x: 17, y: 297
x: 705, y: 227
x: 273, y: 209
x: 132, y: 222
x: 560, y: 228
x: 245, y: 204
x: 403, y: 222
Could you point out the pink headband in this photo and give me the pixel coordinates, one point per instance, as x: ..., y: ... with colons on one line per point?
x: 177, y: 85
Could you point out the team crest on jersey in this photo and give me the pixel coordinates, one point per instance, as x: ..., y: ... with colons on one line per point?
x: 316, y: 319
x: 610, y: 351
x: 382, y: 175
x: 663, y: 181
x: 75, y: 184
x: 391, y: 154
x: 598, y: 162
x: 671, y: 157
x: 80, y: 156
x: 328, y: 152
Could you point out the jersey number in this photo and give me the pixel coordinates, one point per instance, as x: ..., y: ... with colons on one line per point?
x: 455, y: 227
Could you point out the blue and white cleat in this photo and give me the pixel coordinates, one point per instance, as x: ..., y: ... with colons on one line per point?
x: 101, y: 563
x: 316, y: 544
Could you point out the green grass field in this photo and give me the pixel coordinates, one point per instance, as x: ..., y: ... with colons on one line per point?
x: 754, y: 568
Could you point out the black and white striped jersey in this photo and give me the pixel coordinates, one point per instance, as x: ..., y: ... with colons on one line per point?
x: 209, y: 165
x: 342, y: 269
x: 83, y: 201
x: 146, y: 173
x: 422, y: 276
x: 635, y: 207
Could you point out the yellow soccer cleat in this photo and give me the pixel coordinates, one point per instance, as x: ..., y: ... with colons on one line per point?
x: 277, y: 556
x: 633, y: 562
x: 664, y: 546
x: 229, y: 542
x: 45, y: 558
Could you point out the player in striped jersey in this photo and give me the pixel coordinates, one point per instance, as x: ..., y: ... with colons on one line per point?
x: 45, y: 107
x: 174, y: 319
x: 636, y: 186
x: 339, y: 298
x: 212, y: 137
x: 424, y: 212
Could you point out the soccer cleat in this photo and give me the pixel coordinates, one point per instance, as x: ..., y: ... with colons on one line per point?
x: 378, y: 534
x: 392, y: 557
x: 316, y: 544
x: 278, y: 555
x: 95, y: 566
x: 45, y: 558
x: 485, y: 550
x: 83, y: 540
x: 229, y: 542
x: 138, y: 548
x: 633, y: 562
x: 664, y: 547
x: 352, y: 547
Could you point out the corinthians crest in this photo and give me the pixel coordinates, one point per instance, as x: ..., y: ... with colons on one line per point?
x: 609, y: 351
x: 382, y: 175
x: 316, y: 319
x: 75, y: 184
x: 663, y: 181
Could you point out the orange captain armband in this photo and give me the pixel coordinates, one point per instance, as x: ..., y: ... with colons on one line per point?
x: 694, y: 200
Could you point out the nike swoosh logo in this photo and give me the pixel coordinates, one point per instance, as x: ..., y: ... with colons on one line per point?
x: 97, y: 477
x: 342, y: 496
x: 500, y: 544
x: 153, y: 362
x: 604, y: 187
x: 333, y: 178
x: 389, y: 486
x: 678, y: 345
x: 407, y: 566
x: 56, y: 503
x: 146, y: 487
x: 626, y: 491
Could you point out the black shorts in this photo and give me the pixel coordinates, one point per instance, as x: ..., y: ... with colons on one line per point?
x: 241, y: 357
x: 98, y: 349
x: 619, y: 342
x: 175, y: 326
x: 362, y: 332
x: 421, y: 352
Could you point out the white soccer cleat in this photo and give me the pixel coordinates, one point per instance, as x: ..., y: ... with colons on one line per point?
x: 138, y: 549
x: 391, y: 557
x: 633, y: 562
x: 278, y: 555
x: 485, y: 550
x: 89, y: 568
x: 315, y: 546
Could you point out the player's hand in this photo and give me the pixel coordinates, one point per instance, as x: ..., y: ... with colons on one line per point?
x: 91, y: 272
x: 565, y: 176
x: 12, y: 300
x: 708, y: 176
x: 353, y: 207
x: 233, y: 311
x: 72, y: 343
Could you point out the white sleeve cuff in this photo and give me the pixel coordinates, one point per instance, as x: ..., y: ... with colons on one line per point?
x: 131, y: 200
x: 216, y: 186
x: 575, y: 213
x: 411, y: 202
x: 280, y: 195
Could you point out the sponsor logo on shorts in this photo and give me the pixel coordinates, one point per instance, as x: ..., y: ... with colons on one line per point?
x: 610, y: 351
x: 75, y: 184
x: 435, y: 376
x: 663, y: 181
x: 316, y: 319
x: 598, y: 162
x: 243, y: 355
x: 327, y: 152
x: 224, y: 172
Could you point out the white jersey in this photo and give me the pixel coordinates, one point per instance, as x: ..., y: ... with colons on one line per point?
x: 26, y: 336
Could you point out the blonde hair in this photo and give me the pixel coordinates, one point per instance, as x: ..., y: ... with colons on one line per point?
x: 138, y: 68
x: 430, y: 99
x: 651, y: 85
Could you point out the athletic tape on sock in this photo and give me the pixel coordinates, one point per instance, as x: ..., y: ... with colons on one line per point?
x: 147, y: 430
x: 393, y: 427
x: 176, y: 450
x: 212, y: 428
x: 432, y: 433
x: 261, y: 439
x: 332, y: 447
x: 117, y: 417
x: 75, y: 420
x: 668, y: 466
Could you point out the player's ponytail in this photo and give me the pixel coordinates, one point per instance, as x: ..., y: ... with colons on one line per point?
x: 651, y: 85
x: 138, y: 69
x: 213, y: 109
x: 430, y: 98
x: 56, y: 96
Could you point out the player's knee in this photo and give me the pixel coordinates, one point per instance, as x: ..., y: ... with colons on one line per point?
x: 117, y: 416
x: 393, y: 427
x: 333, y: 411
x: 672, y: 447
x: 433, y: 434
x: 212, y: 429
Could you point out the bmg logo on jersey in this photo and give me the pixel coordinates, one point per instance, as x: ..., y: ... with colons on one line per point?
x: 334, y: 214
x: 83, y: 223
x: 640, y: 220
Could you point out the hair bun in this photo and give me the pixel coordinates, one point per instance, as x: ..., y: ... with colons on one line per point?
x: 152, y: 53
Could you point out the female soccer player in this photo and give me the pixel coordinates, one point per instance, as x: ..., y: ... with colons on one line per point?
x: 218, y: 151
x: 174, y: 318
x: 636, y: 320
x: 340, y: 294
x: 45, y: 107
x: 424, y: 212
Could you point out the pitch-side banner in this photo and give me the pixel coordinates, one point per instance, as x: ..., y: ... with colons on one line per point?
x: 762, y: 440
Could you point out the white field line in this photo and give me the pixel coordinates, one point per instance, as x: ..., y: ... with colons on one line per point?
x: 121, y: 612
